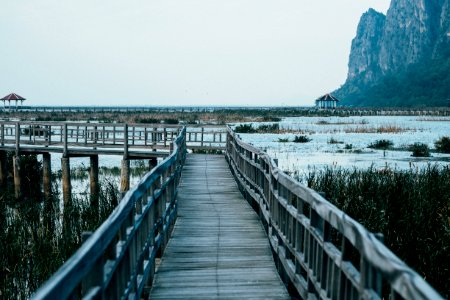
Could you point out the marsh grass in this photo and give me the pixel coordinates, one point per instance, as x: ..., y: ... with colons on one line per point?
x: 38, y: 235
x: 263, y: 128
x: 410, y: 208
x: 378, y: 129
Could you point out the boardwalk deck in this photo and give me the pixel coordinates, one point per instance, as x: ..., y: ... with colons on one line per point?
x: 219, y: 249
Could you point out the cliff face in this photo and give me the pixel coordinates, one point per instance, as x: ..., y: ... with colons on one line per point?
x: 364, y: 57
x: 412, y: 31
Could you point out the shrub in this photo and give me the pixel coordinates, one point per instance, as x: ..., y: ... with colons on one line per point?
x: 419, y: 150
x: 267, y: 128
x: 264, y: 128
x: 334, y: 141
x: 301, y: 139
x: 171, y: 121
x: 147, y: 120
x: 348, y: 146
x: 283, y: 140
x: 443, y: 144
x: 381, y: 144
x: 244, y: 128
x: 271, y: 119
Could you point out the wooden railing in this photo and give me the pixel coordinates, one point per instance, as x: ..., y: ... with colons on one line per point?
x: 319, y: 250
x: 206, y: 137
x: 118, y: 259
x: 66, y: 135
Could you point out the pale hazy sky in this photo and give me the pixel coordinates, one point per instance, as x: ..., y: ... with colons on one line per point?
x: 176, y: 52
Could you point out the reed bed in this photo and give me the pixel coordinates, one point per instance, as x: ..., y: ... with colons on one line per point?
x: 410, y: 208
x: 38, y: 235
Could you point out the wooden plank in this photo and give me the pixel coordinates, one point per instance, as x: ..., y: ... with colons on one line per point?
x: 218, y: 249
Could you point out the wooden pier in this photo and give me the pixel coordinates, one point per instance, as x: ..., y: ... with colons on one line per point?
x: 218, y: 249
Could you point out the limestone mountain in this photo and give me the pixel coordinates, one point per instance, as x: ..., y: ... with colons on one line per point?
x: 401, y: 59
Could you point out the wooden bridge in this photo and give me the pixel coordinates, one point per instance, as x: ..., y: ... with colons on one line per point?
x: 187, y: 230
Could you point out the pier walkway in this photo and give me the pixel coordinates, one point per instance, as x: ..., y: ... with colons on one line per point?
x: 218, y: 248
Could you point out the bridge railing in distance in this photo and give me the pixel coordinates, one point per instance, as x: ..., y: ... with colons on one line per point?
x: 108, y: 135
x: 68, y: 134
x: 117, y: 261
x: 319, y: 250
x: 206, y: 137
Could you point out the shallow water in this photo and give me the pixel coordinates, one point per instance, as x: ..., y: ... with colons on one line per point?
x: 357, y: 131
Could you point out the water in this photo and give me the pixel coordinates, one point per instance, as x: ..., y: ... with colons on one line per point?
x: 358, y: 132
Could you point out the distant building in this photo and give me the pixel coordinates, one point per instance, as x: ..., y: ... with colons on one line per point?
x: 14, y: 98
x: 327, y: 101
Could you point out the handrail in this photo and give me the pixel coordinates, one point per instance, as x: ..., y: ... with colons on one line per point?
x: 321, y: 250
x: 55, y: 136
x: 118, y: 259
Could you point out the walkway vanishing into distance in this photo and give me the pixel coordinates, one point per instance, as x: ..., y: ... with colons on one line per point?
x: 218, y: 249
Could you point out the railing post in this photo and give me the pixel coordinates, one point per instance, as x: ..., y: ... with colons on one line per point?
x: 65, y: 149
x: 125, y: 141
x: 17, y: 138
x: 203, y: 132
x: 2, y: 129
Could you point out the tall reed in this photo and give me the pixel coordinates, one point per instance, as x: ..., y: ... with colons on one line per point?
x: 410, y: 208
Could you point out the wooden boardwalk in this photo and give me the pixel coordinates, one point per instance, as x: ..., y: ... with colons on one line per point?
x: 219, y: 249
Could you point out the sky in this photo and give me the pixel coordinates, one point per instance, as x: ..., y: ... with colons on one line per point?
x: 176, y: 52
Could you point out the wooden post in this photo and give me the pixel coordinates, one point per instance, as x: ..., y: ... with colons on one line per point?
x: 154, y: 137
x: 3, y: 169
x: 93, y: 176
x: 2, y: 129
x: 125, y: 176
x: 65, y: 149
x: 152, y: 162
x: 16, y: 168
x: 125, y: 141
x: 165, y: 137
x: 46, y: 175
x: 17, y: 138
x: 66, y: 185
x: 203, y: 132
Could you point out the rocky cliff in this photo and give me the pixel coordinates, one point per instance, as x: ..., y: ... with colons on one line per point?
x: 412, y: 32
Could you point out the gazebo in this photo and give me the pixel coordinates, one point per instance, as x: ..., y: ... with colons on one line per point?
x: 327, y: 101
x: 12, y: 97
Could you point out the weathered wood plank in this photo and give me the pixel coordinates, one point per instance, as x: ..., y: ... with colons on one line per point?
x: 218, y: 249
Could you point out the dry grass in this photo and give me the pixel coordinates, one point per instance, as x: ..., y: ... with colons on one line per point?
x: 379, y: 129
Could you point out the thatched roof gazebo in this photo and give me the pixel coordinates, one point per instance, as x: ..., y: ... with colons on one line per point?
x: 12, y: 97
x: 327, y: 101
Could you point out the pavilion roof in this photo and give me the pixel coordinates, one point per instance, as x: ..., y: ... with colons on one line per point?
x: 327, y: 97
x: 12, y: 96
